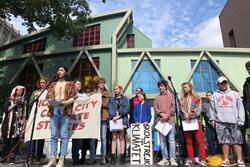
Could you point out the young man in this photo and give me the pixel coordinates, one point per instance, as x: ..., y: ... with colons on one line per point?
x: 63, y: 92
x: 76, y: 143
x: 213, y: 148
x: 228, y: 116
x: 37, y: 145
x: 164, y: 107
x: 105, y: 116
x: 246, y: 103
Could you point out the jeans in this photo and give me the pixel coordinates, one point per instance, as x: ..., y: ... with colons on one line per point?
x: 103, y: 138
x: 76, y: 143
x: 213, y: 148
x: 92, y: 144
x: 199, y: 140
x: 63, y: 120
x: 37, y: 148
x: 244, y: 145
x: 170, y: 140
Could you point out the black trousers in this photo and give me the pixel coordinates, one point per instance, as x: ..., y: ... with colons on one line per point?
x: 10, y: 147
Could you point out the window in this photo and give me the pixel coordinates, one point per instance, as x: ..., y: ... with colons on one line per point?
x: 85, y: 72
x: 36, y: 46
x: 130, y: 40
x: 146, y: 76
x: 232, y: 39
x: 88, y: 36
x: 29, y: 77
x: 205, y: 76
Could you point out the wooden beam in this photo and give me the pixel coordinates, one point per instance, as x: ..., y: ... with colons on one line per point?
x: 195, y: 66
x: 37, y: 67
x: 133, y: 71
x: 75, y: 61
x: 222, y: 71
x: 19, y: 71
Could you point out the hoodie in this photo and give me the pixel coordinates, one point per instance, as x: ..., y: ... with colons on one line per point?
x: 246, y: 94
x: 227, y: 107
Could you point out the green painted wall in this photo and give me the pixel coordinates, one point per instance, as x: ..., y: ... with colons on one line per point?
x: 178, y: 65
x: 108, y: 26
x: 141, y: 40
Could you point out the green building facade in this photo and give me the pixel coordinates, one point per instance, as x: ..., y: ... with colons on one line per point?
x: 112, y: 47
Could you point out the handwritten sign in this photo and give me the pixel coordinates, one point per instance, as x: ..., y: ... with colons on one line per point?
x: 85, y: 117
x: 141, y: 144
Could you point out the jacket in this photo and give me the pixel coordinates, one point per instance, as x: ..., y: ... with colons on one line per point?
x: 105, y: 106
x: 165, y: 103
x: 246, y: 94
x: 131, y: 111
x: 142, y: 112
x: 120, y: 105
x: 227, y: 107
x: 191, y: 107
x: 69, y: 93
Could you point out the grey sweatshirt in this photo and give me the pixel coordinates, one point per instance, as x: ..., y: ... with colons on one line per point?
x: 227, y: 107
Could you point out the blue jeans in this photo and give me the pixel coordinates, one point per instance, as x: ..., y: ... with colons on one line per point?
x: 170, y: 140
x: 76, y: 143
x: 59, y: 119
x: 104, y: 138
x: 37, y: 148
x: 92, y: 144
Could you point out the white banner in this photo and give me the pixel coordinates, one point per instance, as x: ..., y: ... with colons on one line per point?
x: 141, y: 144
x: 84, y: 122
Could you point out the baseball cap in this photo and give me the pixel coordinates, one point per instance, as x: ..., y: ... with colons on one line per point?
x: 221, y: 79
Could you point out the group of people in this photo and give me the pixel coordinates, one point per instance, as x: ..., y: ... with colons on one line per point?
x: 223, y: 113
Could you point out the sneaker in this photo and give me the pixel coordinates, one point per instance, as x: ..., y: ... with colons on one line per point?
x: 203, y: 163
x: 51, y: 163
x: 163, y: 162
x: 60, y: 162
x: 241, y: 163
x: 30, y: 161
x: 103, y: 161
x: 36, y: 161
x: 173, y: 162
x: 188, y: 163
x: 196, y: 161
x: 225, y: 163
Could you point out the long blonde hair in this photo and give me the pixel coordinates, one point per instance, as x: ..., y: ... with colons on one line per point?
x: 192, y: 91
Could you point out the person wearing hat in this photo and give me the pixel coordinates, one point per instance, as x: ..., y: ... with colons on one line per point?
x: 228, y: 116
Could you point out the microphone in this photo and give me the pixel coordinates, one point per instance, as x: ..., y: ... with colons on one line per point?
x: 169, y: 77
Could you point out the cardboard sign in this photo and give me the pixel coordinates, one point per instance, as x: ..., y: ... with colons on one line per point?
x: 85, y: 117
x: 141, y: 144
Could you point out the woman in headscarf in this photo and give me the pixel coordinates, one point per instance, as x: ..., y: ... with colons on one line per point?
x: 13, y: 126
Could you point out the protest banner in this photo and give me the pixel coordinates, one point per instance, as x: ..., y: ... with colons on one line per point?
x: 84, y: 122
x: 141, y: 144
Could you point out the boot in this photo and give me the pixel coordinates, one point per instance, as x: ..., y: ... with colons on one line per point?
x: 51, y: 163
x: 112, y: 161
x: 60, y: 162
x: 122, y: 159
